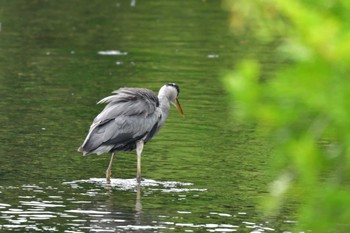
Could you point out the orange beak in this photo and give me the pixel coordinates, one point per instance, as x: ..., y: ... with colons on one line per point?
x: 178, y: 107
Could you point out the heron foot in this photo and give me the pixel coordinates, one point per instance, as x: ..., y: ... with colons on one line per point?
x: 109, y: 170
x: 108, y: 176
x: 139, y: 179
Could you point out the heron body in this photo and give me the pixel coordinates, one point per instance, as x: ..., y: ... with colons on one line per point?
x: 130, y: 119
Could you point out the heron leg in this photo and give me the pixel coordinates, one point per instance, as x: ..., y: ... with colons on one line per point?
x: 109, y: 170
x: 139, y: 148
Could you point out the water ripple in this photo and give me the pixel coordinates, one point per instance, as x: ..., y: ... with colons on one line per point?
x: 117, y: 208
x: 131, y: 184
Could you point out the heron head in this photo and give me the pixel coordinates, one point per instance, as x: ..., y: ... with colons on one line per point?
x: 171, y: 91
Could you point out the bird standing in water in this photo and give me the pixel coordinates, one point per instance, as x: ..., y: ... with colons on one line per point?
x: 131, y: 118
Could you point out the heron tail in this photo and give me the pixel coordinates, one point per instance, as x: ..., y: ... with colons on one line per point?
x: 81, y: 150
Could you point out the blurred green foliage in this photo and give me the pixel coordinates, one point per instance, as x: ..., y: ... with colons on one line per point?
x: 304, y: 106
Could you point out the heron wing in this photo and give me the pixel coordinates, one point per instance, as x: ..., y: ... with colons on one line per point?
x: 121, y: 133
x: 128, y: 102
x: 130, y: 115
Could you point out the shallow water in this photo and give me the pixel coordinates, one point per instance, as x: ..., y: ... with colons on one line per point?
x: 203, y: 172
x: 92, y: 205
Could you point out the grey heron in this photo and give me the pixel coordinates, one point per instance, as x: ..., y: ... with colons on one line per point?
x: 130, y: 119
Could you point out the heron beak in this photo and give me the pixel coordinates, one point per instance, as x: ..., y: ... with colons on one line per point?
x: 178, y: 107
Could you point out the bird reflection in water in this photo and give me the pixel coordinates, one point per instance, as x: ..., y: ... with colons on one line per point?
x: 138, y: 204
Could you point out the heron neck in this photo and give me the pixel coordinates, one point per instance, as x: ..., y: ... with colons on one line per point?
x: 164, y: 105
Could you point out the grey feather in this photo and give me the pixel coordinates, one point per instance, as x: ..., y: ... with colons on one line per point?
x: 130, y: 101
x: 130, y: 115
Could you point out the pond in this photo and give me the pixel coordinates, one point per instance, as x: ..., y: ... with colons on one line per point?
x: 202, y: 173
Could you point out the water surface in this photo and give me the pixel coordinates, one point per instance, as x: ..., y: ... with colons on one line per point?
x: 204, y: 172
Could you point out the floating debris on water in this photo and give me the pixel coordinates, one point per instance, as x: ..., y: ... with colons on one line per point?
x: 213, y: 56
x: 112, y: 53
